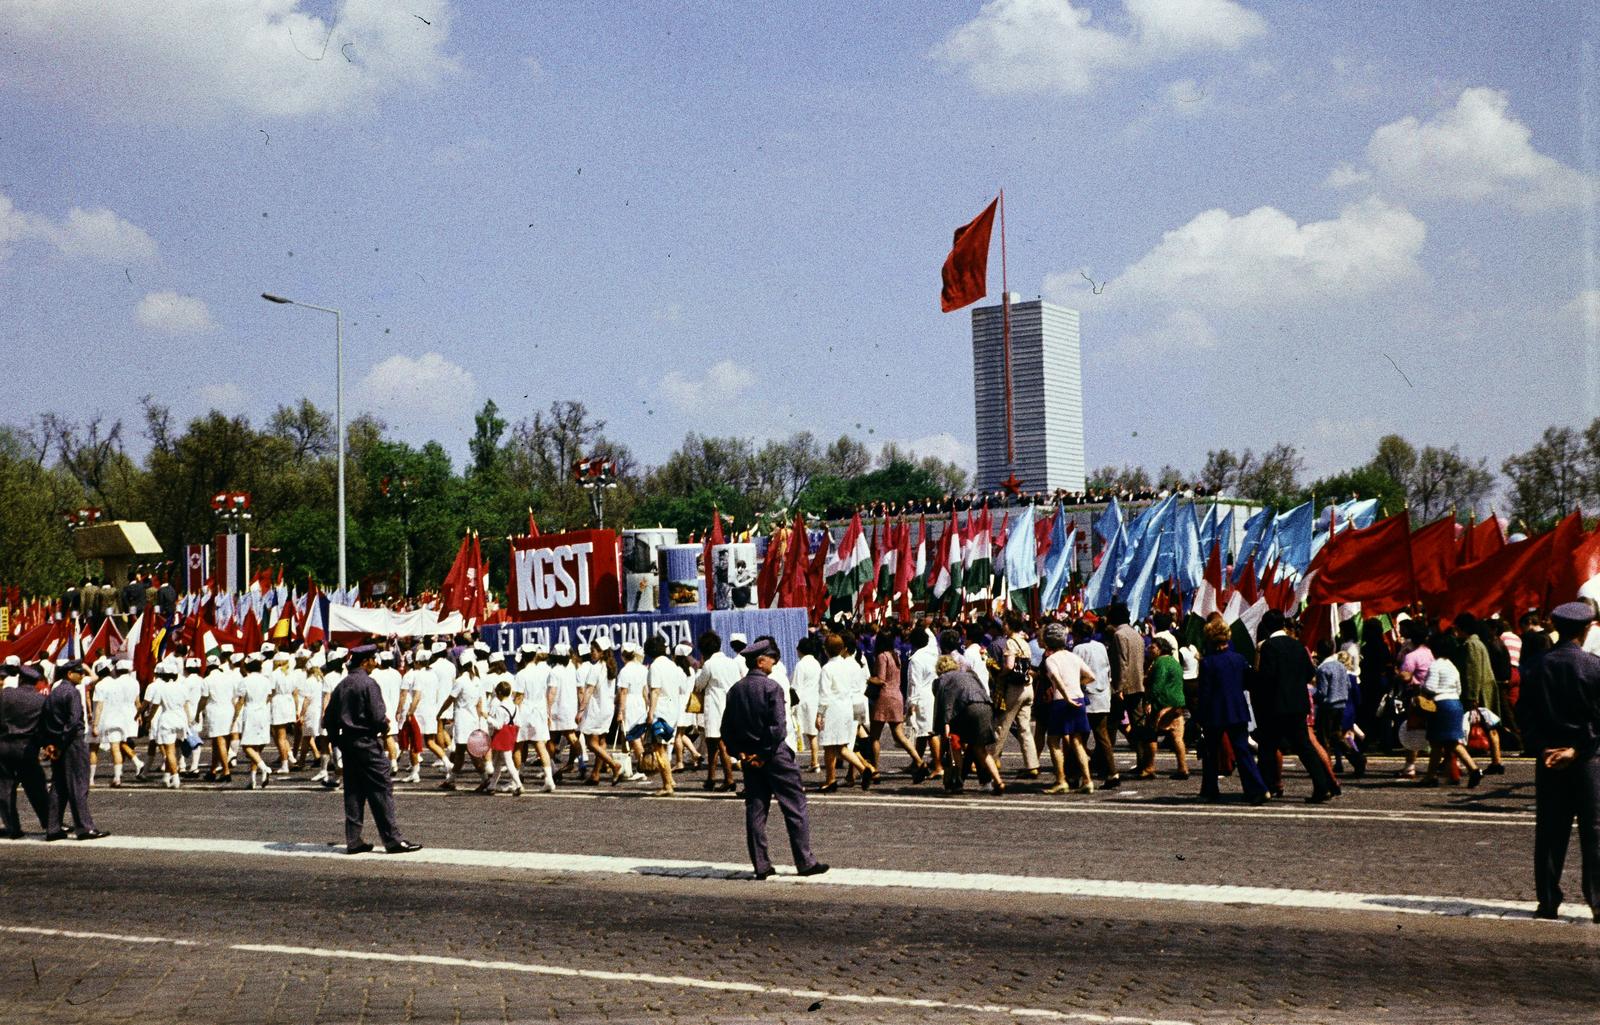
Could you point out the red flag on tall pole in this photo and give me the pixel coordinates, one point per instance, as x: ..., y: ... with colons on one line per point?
x: 533, y: 528
x: 966, y: 269
x: 794, y: 592
x: 452, y: 593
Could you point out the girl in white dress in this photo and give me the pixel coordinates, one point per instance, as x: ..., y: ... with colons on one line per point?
x: 808, y: 691
x: 563, y: 698
x: 631, y: 683
x: 501, y: 722
x: 308, y: 707
x: 600, y: 708
x: 116, y: 718
x: 253, y: 718
x: 531, y: 687
x: 665, y: 685
x: 216, y: 711
x: 169, y: 720
x: 841, y: 689
x: 466, y: 705
x: 687, y: 751
x: 194, y: 688
x: 283, y: 709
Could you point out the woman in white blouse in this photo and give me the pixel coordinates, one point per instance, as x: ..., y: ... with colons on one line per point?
x: 840, y: 691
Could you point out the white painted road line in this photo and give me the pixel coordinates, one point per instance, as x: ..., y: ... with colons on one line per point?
x: 1026, y: 804
x: 645, y: 978
x: 534, y: 861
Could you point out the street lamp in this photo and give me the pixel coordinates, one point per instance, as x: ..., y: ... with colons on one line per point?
x: 338, y: 403
x: 596, y: 476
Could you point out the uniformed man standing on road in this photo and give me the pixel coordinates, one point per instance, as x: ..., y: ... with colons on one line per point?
x: 756, y: 732
x: 63, y: 731
x: 356, y: 722
x: 1559, y: 710
x: 21, y: 716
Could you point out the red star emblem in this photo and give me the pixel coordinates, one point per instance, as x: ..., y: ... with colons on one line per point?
x: 1012, y: 484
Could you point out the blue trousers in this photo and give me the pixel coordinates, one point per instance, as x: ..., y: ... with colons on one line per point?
x: 367, y: 784
x: 1211, y: 756
x: 69, y: 786
x: 778, y: 778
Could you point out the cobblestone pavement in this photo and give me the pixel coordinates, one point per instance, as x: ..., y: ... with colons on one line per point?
x: 111, y: 935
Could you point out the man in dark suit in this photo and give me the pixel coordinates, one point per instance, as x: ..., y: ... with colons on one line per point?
x: 63, y: 730
x: 1559, y: 709
x: 1282, y: 702
x: 756, y: 731
x: 356, y: 722
x: 21, y: 715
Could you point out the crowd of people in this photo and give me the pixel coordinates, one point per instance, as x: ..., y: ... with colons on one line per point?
x: 956, y: 697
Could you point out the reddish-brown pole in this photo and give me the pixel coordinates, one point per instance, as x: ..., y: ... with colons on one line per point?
x: 1005, y: 335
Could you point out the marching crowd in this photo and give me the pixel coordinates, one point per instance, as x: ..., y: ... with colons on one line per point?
x: 952, y: 695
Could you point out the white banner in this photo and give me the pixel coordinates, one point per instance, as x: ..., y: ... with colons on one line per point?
x: 388, y: 623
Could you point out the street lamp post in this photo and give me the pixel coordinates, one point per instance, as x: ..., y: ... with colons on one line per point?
x: 596, y: 476
x: 338, y: 404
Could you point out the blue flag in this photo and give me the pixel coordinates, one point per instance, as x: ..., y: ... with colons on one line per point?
x: 1190, y: 564
x: 1020, y: 557
x: 1057, y: 562
x: 1294, y: 530
x: 1255, y: 532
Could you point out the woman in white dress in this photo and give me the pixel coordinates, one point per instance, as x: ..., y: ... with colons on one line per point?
x: 808, y: 691
x: 599, y: 701
x: 308, y: 707
x: 688, y: 724
x: 283, y: 709
x: 169, y: 720
x: 531, y: 688
x: 466, y: 706
x: 840, y: 691
x: 253, y: 718
x: 666, y: 684
x: 563, y: 698
x: 216, y: 711
x: 116, y: 717
x: 631, y: 684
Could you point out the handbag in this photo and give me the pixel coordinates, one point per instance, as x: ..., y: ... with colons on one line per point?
x: 694, y: 706
x: 1477, y: 736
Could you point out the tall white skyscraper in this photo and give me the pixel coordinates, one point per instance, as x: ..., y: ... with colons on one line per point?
x: 1047, y: 396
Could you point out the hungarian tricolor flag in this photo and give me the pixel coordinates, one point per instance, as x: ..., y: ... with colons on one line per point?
x: 917, y: 585
x: 966, y: 269
x: 947, y: 572
x: 850, y: 566
x: 978, y: 554
x: 1208, y: 596
x: 888, y: 564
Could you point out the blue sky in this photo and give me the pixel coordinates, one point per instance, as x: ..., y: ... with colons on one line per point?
x: 730, y: 217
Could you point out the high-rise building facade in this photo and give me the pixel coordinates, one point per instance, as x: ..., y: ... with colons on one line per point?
x: 1047, y: 396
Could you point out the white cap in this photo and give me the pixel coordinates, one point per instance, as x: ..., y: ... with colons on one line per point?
x: 125, y: 664
x: 281, y: 656
x: 683, y: 649
x: 439, y: 647
x: 497, y: 656
x: 480, y: 647
x: 268, y: 648
x: 191, y: 663
x: 561, y: 648
x: 540, y: 649
x: 337, y: 653
x: 13, y: 660
x: 529, y: 649
x: 318, y: 660
x: 385, y: 657
x: 235, y: 658
x: 737, y: 639
x: 212, y: 660
x: 603, y: 642
x: 632, y: 648
x: 226, y: 649
x: 468, y: 658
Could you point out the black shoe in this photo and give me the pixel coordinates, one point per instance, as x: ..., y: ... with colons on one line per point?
x: 1495, y: 770
x: 766, y: 873
x: 447, y: 785
x: 1258, y: 800
x: 868, y: 778
x: 330, y: 784
x: 1474, y: 778
x: 15, y: 834
x: 816, y: 868
x: 1112, y: 783
x: 93, y: 834
x: 1547, y: 913
x: 403, y: 847
x: 918, y: 773
x: 1179, y: 775
x: 828, y: 788
x: 52, y: 837
x: 360, y: 848
x: 1322, y: 798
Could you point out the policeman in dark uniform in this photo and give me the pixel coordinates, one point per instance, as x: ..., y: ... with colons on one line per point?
x: 356, y: 722
x: 63, y: 729
x: 756, y: 732
x: 1559, y: 710
x: 21, y: 713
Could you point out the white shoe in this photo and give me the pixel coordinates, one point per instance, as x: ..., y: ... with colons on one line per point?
x: 138, y: 767
x: 637, y: 777
x: 415, y: 777
x: 549, y: 785
x: 319, y: 777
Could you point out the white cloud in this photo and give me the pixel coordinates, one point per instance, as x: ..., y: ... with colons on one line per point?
x: 428, y: 388
x: 943, y: 445
x: 1346, y: 176
x: 173, y: 314
x: 224, y: 398
x: 1182, y: 330
x: 160, y: 61
x: 1049, y: 46
x: 96, y: 234
x: 1476, y: 151
x: 1265, y: 259
x: 723, y: 382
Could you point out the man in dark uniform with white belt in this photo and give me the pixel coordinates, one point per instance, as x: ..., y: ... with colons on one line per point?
x: 756, y: 732
x: 356, y: 723
x: 62, y: 727
x: 21, y: 715
x: 1559, y: 710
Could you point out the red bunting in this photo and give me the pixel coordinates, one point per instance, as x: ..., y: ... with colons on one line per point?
x: 966, y: 269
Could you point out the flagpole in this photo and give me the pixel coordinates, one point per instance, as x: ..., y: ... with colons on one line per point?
x: 1005, y: 338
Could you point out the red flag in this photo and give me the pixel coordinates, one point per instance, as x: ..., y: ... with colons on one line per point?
x: 149, y: 634
x: 477, y: 590
x: 1586, y: 564
x: 533, y: 528
x: 1433, y: 559
x: 816, y: 580
x: 452, y: 593
x: 794, y: 591
x: 771, y: 569
x: 1371, y: 566
x: 712, y: 539
x: 249, y: 632
x: 1513, y: 579
x: 966, y: 269
x: 1481, y: 541
x: 903, y: 568
x: 1248, y: 592
x: 1565, y: 576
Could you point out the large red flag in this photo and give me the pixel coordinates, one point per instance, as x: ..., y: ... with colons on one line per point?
x: 903, y: 570
x: 816, y: 579
x: 1512, y: 580
x: 1481, y: 541
x: 1433, y: 559
x: 453, y: 592
x: 1371, y: 566
x: 966, y: 269
x: 1565, y: 575
x: 771, y: 569
x: 477, y: 589
x: 794, y: 592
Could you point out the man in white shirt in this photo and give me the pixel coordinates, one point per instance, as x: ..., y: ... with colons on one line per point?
x: 1093, y: 653
x: 387, y: 677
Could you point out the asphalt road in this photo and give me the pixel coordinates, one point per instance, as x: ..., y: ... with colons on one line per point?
x: 1393, y: 904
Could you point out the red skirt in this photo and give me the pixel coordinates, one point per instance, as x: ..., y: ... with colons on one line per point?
x: 504, y: 739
